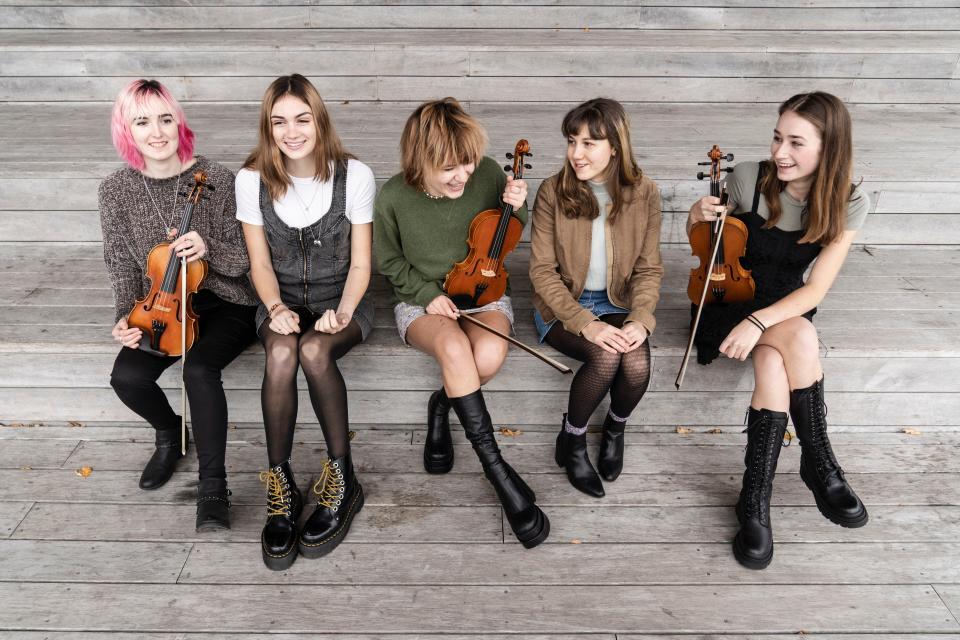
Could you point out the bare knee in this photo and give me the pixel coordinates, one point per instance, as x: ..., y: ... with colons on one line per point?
x: 453, y: 349
x: 799, y: 339
x: 767, y: 362
x: 489, y: 356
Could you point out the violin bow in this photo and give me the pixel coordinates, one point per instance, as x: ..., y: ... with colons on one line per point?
x: 703, y: 294
x: 183, y: 356
x: 559, y: 366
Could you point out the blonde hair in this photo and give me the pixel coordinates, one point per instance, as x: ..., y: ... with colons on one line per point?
x: 439, y: 133
x: 267, y: 158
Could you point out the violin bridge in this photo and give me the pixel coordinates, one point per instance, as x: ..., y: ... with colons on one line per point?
x: 487, y: 273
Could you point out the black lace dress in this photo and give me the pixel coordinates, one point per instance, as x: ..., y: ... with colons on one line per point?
x: 777, y: 263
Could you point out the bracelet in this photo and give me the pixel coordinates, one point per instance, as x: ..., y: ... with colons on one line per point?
x: 273, y: 308
x: 759, y: 325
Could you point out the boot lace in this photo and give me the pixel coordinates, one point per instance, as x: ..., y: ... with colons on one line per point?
x: 826, y: 461
x: 760, y: 466
x: 278, y: 493
x: 330, y: 486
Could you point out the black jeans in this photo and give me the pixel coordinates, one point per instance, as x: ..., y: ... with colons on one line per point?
x: 226, y: 329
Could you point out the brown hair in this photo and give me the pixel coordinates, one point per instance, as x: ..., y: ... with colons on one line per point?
x: 267, y: 159
x: 605, y: 119
x: 832, y: 181
x: 437, y: 134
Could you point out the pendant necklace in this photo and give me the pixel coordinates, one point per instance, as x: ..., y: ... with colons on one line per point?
x: 168, y: 227
x: 306, y: 208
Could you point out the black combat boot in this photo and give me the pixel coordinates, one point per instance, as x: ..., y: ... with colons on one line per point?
x: 753, y: 545
x: 160, y: 467
x: 818, y: 465
x: 610, y: 463
x: 339, y: 499
x: 571, y: 454
x: 284, y: 505
x: 213, y: 504
x: 438, y: 448
x: 529, y: 523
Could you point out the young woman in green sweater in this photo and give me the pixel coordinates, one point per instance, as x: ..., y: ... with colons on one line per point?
x: 422, y: 218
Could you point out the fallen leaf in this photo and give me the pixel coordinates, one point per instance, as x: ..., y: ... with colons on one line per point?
x: 75, y: 424
x: 232, y: 427
x: 84, y: 472
x: 912, y: 432
x: 351, y: 435
x: 26, y: 468
x: 788, y: 437
x: 512, y: 433
x: 576, y: 541
x: 715, y: 430
x: 586, y: 29
x: 684, y: 430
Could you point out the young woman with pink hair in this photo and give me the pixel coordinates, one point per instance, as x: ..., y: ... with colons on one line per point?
x: 140, y: 206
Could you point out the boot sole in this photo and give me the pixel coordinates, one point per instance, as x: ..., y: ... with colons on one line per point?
x: 279, y: 563
x: 542, y: 532
x: 748, y: 561
x: 211, y: 525
x: 833, y: 516
x: 328, y: 544
x: 437, y: 468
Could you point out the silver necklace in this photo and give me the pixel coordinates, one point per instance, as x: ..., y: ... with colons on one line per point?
x: 303, y: 206
x: 167, y: 224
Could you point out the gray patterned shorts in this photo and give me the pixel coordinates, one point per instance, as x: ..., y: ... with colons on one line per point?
x: 405, y: 313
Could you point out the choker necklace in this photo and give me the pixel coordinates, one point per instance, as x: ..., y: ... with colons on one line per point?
x: 431, y: 196
x: 167, y: 224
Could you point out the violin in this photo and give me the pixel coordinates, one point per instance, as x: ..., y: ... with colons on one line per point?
x: 722, y: 275
x: 165, y: 315
x: 481, y: 278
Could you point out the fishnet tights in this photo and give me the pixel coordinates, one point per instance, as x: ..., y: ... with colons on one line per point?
x: 625, y: 375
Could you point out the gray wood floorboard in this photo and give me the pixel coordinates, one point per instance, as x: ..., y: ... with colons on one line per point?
x: 11, y: 514
x: 86, y: 562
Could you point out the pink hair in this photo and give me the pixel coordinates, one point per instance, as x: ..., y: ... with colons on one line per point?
x: 133, y: 98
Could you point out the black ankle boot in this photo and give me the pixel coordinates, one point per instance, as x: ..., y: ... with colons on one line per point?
x: 438, y: 448
x: 571, y: 453
x: 339, y: 499
x: 213, y: 504
x: 610, y: 463
x: 529, y: 523
x: 278, y: 539
x: 753, y: 546
x: 160, y: 467
x: 818, y: 465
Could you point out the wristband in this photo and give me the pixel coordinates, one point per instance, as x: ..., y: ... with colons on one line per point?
x: 759, y: 325
x: 273, y: 308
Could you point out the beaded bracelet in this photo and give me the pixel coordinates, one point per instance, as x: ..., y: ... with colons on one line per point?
x: 273, y: 308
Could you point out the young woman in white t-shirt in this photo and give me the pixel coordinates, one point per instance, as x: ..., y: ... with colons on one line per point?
x: 307, y: 209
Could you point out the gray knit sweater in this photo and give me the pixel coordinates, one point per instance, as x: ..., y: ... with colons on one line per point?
x: 132, y: 227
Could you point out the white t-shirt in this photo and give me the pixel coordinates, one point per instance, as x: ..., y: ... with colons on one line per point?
x: 307, y: 200
x: 597, y: 271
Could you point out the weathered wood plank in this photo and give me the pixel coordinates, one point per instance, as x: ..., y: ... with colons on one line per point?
x: 491, y: 610
x: 610, y: 564
x: 950, y: 594
x: 149, y: 523
x: 86, y: 562
x: 16, y: 454
x: 11, y: 514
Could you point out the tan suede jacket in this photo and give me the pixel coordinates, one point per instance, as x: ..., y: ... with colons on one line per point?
x: 560, y: 258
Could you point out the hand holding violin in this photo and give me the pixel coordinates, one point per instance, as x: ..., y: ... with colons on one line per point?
x: 706, y: 209
x: 515, y: 193
x: 128, y: 337
x: 190, y: 246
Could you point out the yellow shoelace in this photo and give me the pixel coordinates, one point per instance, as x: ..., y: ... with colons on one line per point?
x: 276, y: 505
x: 328, y: 486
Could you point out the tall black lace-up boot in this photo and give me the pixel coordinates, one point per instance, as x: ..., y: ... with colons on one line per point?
x: 162, y: 463
x: 284, y: 505
x: 571, y: 454
x: 339, y: 499
x: 438, y: 447
x: 529, y: 523
x: 819, y: 469
x: 753, y: 545
x: 610, y: 463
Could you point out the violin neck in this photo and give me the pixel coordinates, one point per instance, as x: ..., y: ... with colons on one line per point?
x: 496, y: 247
x: 173, y: 264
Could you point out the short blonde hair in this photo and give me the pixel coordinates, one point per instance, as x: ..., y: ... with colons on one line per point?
x: 437, y: 134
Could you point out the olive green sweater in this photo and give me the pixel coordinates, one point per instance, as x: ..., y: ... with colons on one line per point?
x: 418, y: 239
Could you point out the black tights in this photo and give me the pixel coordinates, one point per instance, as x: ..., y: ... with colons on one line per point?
x: 625, y: 375
x: 317, y: 353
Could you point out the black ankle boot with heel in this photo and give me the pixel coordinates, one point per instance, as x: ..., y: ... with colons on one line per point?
x: 753, y: 545
x: 819, y: 468
x: 278, y: 539
x: 528, y: 522
x: 571, y: 454
x: 438, y: 447
x: 213, y: 504
x: 339, y: 499
x: 610, y: 463
x: 162, y: 463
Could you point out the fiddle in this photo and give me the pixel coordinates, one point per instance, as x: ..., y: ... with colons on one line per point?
x: 481, y: 278
x: 165, y: 315
x: 723, y: 276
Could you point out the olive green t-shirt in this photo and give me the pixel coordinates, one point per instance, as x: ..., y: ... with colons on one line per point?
x: 742, y: 183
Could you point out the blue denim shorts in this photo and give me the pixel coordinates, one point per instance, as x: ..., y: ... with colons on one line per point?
x: 595, y: 302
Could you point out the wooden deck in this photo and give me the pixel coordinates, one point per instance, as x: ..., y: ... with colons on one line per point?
x: 84, y: 558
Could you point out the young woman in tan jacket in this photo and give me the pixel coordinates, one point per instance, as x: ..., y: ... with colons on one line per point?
x: 596, y: 271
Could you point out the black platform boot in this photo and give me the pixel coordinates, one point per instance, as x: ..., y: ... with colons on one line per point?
x: 339, y: 499
x: 438, y: 448
x: 610, y: 463
x: 571, y: 454
x: 753, y: 545
x: 818, y: 465
x: 529, y: 523
x: 160, y: 467
x: 213, y: 504
x: 284, y: 505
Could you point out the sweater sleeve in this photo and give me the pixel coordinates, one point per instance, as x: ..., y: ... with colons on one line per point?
x: 126, y: 276
x: 648, y: 269
x: 408, y: 283
x: 226, y: 253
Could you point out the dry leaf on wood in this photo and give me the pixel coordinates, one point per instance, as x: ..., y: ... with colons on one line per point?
x: 576, y: 541
x: 84, y: 472
x: 684, y: 430
x: 715, y: 430
x: 912, y: 432
x: 512, y: 433
x: 26, y: 467
x: 74, y: 423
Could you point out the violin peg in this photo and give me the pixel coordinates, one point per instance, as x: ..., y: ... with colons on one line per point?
x: 509, y: 156
x: 728, y: 169
x: 529, y: 154
x: 528, y: 166
x: 700, y: 175
x: 507, y: 167
x: 729, y: 157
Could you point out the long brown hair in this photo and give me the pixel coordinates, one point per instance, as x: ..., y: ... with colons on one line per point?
x: 439, y: 133
x: 605, y: 119
x: 832, y: 181
x: 267, y: 159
